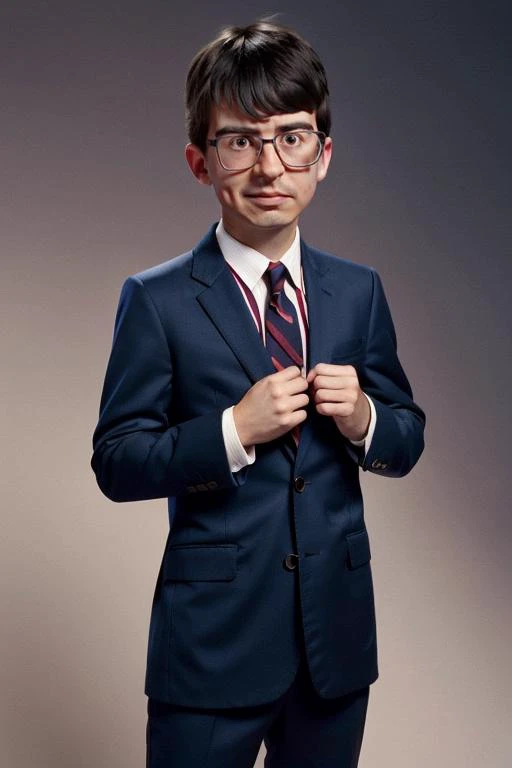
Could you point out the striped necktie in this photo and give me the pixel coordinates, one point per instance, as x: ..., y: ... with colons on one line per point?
x: 282, y: 332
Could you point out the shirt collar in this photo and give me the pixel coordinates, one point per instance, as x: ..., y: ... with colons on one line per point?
x: 250, y: 264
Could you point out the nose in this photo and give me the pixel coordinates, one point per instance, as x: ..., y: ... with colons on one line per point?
x: 269, y: 163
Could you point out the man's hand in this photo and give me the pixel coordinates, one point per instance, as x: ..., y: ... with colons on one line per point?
x: 336, y: 392
x: 271, y: 407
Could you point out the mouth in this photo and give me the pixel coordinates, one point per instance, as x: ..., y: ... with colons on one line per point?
x: 269, y: 198
x: 266, y: 194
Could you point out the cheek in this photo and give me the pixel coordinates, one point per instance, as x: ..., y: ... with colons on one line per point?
x: 222, y: 192
x: 308, y: 190
x: 226, y: 191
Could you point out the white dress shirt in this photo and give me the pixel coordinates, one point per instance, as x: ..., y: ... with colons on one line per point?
x: 251, y: 265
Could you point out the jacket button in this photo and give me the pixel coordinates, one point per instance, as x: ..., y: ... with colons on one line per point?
x: 290, y: 561
x: 299, y: 484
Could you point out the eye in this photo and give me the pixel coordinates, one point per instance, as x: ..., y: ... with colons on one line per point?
x: 291, y: 139
x: 238, y: 142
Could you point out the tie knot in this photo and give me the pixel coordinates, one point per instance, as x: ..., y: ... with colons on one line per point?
x: 278, y: 273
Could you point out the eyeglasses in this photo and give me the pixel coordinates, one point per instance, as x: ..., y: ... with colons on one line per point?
x: 295, y: 149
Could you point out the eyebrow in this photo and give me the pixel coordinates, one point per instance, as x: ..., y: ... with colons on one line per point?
x: 255, y: 132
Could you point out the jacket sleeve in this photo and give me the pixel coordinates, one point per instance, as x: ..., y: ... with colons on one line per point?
x: 138, y: 452
x: 397, y: 441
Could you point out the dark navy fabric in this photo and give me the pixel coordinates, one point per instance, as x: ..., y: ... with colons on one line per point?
x: 228, y: 618
x: 299, y: 730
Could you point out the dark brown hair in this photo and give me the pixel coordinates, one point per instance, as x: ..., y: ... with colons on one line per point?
x: 261, y: 69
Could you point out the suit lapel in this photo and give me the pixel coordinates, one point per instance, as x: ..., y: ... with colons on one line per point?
x: 223, y: 302
x: 319, y: 299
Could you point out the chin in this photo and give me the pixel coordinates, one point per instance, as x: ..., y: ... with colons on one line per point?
x: 271, y: 219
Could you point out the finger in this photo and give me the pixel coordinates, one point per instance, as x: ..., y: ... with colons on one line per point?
x: 287, y: 381
x: 288, y: 374
x: 331, y: 369
x: 335, y: 396
x: 343, y: 410
x: 294, y: 385
x: 299, y: 401
x: 336, y: 382
x: 297, y: 385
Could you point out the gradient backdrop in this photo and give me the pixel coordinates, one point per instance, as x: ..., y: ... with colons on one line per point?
x: 95, y: 188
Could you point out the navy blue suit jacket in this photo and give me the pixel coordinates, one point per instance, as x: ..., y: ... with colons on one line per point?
x: 226, y: 613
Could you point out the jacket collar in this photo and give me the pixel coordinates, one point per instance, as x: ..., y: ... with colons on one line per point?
x: 222, y: 301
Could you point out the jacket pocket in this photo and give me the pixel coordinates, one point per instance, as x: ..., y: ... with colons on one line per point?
x: 200, y: 562
x: 358, y: 545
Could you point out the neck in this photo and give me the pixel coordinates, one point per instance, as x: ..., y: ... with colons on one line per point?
x: 271, y: 242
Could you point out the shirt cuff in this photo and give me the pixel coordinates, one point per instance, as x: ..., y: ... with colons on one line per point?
x: 366, y: 441
x: 238, y: 457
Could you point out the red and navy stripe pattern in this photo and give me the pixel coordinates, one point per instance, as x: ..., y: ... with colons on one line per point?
x: 283, y: 349
x: 283, y: 339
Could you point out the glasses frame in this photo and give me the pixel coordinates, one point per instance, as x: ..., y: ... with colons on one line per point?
x: 320, y: 134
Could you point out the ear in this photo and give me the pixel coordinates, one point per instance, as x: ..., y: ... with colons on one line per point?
x: 197, y: 163
x: 323, y: 163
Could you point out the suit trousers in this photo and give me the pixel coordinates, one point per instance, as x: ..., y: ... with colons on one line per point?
x: 300, y: 730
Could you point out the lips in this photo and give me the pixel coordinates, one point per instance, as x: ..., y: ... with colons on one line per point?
x: 267, y: 194
x: 268, y: 197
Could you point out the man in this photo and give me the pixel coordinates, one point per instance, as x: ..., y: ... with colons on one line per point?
x: 249, y: 380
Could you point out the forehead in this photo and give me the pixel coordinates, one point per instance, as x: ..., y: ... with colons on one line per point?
x: 223, y: 117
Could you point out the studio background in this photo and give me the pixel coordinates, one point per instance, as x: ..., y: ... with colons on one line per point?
x: 94, y: 188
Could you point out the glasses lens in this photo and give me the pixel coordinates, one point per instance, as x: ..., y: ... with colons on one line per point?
x: 237, y: 151
x: 296, y: 149
x: 299, y: 148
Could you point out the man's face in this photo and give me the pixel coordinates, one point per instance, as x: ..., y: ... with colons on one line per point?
x: 269, y: 196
